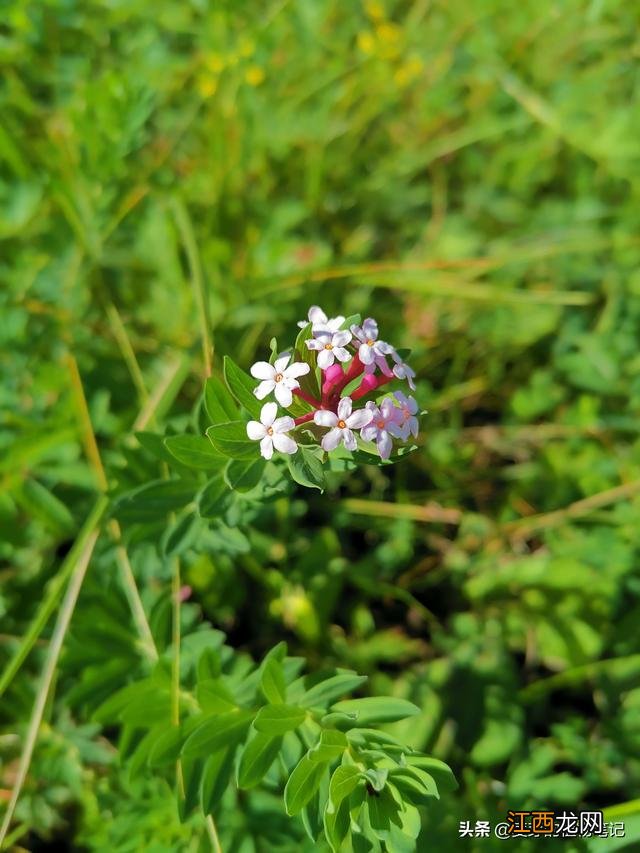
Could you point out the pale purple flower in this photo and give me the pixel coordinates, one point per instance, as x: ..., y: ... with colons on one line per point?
x: 372, y: 352
x: 329, y: 346
x: 279, y: 378
x: 378, y: 428
x: 341, y: 426
x: 271, y: 431
x: 407, y: 421
x: 320, y: 322
x: 402, y: 370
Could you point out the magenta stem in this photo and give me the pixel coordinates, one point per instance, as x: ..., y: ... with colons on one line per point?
x: 304, y: 418
x: 362, y: 392
x: 311, y: 400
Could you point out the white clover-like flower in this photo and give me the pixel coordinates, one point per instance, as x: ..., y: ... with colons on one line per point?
x: 378, y: 428
x: 341, y: 425
x: 279, y: 378
x: 330, y: 346
x: 320, y: 322
x: 407, y: 421
x: 402, y: 370
x: 271, y: 431
x: 371, y: 350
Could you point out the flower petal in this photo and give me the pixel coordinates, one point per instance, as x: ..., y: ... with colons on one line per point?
x: 344, y: 408
x: 325, y: 418
x: 281, y: 362
x: 284, y: 443
x: 359, y: 418
x: 268, y: 414
x: 283, y: 424
x: 334, y: 323
x: 366, y: 354
x: 384, y: 348
x: 332, y: 439
x: 349, y: 439
x: 283, y: 394
x: 341, y: 338
x: 314, y: 344
x: 262, y: 370
x: 256, y: 430
x: 341, y: 354
x: 266, y: 447
x: 385, y: 445
x: 317, y: 315
x: 370, y: 328
x: 326, y: 357
x: 298, y: 368
x: 357, y: 332
x: 369, y: 432
x: 264, y: 388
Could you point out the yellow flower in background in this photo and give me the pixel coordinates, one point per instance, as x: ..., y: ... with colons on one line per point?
x: 207, y: 86
x: 389, y: 39
x: 374, y: 10
x: 246, y: 47
x: 366, y: 42
x: 214, y: 62
x: 409, y: 71
x: 254, y: 75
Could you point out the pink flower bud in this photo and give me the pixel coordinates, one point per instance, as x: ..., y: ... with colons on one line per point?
x: 333, y: 373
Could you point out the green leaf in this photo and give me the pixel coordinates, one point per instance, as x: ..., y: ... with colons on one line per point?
x: 214, y: 697
x: 343, y: 781
x: 321, y: 694
x: 166, y: 749
x: 441, y: 772
x: 41, y: 502
x: 244, y: 475
x: 306, y: 468
x: 272, y: 682
x: 415, y: 785
x: 331, y: 745
x: 242, y: 387
x: 179, y: 535
x: 155, y: 500
x: 383, y: 809
x: 377, y: 709
x: 257, y: 757
x: 232, y: 440
x: 336, y: 825
x: 216, y: 732
x: 194, y: 451
x: 214, y: 498
x: 215, y: 779
x: 310, y: 382
x: 278, y: 719
x: 302, y: 784
x: 218, y: 402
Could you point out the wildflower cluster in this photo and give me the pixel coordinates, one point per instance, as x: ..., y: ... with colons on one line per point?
x: 335, y: 365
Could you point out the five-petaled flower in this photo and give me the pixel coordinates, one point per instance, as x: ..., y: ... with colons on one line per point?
x: 342, y: 424
x: 408, y: 422
x: 320, y: 322
x: 378, y: 429
x: 371, y: 351
x: 402, y: 370
x: 329, y: 346
x: 279, y: 378
x: 272, y: 432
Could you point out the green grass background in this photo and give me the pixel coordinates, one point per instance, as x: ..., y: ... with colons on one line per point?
x: 469, y: 174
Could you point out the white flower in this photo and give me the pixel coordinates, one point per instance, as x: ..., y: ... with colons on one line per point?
x: 342, y: 424
x: 371, y: 350
x: 279, y: 378
x: 407, y: 421
x: 320, y: 322
x: 271, y: 431
x: 330, y: 345
x: 378, y: 430
x: 402, y: 370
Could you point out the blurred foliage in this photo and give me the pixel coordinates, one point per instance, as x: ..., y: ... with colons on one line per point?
x: 466, y: 173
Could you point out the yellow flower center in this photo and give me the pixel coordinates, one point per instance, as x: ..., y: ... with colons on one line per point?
x: 328, y: 346
x: 370, y: 343
x: 380, y: 424
x: 278, y: 377
x: 342, y: 424
x: 269, y: 430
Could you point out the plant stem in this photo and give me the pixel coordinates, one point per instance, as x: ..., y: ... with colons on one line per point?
x: 213, y: 834
x: 308, y: 398
x: 54, y: 591
x: 60, y: 630
x: 93, y: 455
x: 183, y: 222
